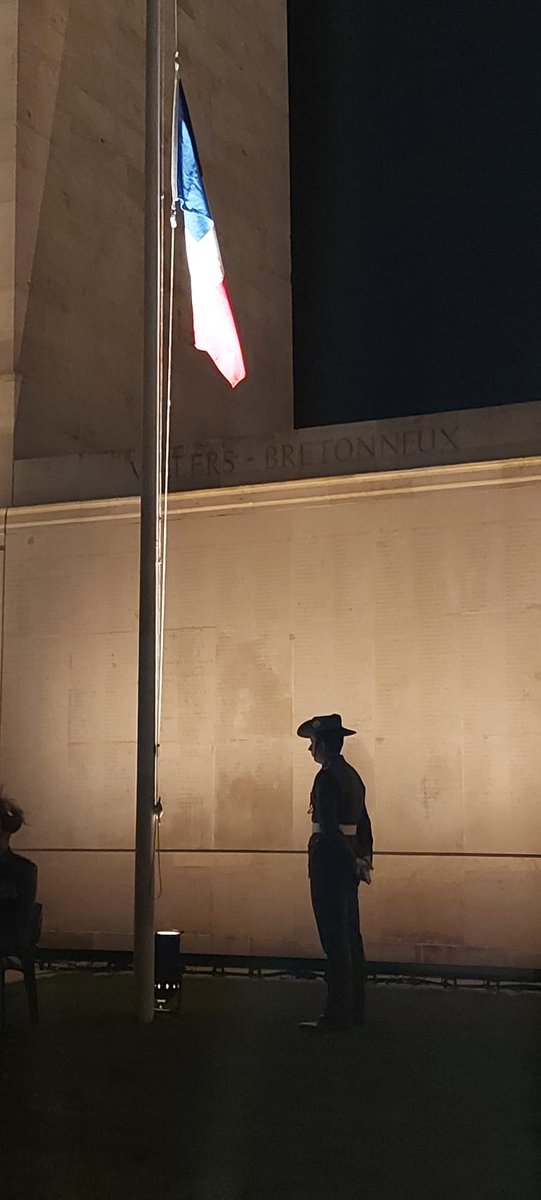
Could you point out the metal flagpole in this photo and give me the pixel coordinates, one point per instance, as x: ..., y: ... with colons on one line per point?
x: 149, y: 540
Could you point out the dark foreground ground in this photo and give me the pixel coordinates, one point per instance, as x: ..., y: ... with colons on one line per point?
x: 439, y: 1097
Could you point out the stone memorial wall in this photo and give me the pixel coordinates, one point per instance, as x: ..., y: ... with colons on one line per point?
x: 71, y: 246
x: 408, y: 601
x: 476, y: 435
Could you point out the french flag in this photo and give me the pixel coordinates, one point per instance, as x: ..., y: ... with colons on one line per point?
x: 214, y: 325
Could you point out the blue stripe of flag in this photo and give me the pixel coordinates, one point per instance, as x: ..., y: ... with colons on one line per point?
x: 191, y: 189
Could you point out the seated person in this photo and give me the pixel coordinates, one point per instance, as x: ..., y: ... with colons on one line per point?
x: 18, y: 882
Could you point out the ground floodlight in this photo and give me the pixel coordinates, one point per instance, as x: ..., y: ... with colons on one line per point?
x: 167, y: 969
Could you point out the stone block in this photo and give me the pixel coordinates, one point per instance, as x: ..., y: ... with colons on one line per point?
x: 283, y: 601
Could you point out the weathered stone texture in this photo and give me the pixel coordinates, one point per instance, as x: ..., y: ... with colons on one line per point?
x: 79, y: 222
x: 8, y: 127
x: 80, y: 178
x: 410, y: 602
x: 8, y: 108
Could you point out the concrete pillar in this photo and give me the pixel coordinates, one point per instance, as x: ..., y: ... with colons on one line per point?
x: 8, y: 152
x: 9, y: 388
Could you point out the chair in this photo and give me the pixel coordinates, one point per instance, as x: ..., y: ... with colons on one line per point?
x: 25, y: 963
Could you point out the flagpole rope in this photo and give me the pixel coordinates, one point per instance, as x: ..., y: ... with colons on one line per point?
x: 165, y: 496
x: 159, y: 481
x: 165, y: 431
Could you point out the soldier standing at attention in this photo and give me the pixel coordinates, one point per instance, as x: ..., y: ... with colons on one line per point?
x: 339, y: 858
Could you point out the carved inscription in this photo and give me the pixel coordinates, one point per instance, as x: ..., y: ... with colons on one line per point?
x: 353, y: 451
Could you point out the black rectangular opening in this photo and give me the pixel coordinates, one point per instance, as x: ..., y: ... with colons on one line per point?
x: 416, y: 199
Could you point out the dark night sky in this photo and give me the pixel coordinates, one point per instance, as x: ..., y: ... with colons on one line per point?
x: 416, y: 202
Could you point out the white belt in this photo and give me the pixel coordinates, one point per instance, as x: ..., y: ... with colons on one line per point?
x: 349, y: 830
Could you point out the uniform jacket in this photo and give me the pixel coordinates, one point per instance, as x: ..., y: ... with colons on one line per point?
x: 18, y: 882
x: 338, y: 798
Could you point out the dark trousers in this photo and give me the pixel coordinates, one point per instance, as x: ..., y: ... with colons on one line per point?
x: 336, y: 909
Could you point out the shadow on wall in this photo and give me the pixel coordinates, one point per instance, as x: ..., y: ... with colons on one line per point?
x: 79, y: 228
x: 79, y: 256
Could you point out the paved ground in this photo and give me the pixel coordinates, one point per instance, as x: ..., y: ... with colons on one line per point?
x: 439, y: 1097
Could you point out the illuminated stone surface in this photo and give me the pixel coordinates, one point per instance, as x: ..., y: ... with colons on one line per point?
x: 409, y: 602
x: 390, y: 583
x: 71, y: 251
